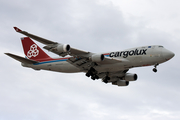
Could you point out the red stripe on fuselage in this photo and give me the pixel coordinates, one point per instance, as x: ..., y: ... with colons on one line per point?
x: 106, y: 54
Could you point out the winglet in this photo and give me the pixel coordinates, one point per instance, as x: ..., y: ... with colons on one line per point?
x: 17, y: 29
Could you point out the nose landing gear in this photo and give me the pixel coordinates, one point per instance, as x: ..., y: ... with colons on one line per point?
x: 155, y: 69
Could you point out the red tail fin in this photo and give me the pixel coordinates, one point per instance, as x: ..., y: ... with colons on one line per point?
x: 33, y: 51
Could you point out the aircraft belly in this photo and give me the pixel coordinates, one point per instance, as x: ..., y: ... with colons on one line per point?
x: 67, y: 68
x: 147, y: 60
x: 57, y: 66
x: 110, y: 68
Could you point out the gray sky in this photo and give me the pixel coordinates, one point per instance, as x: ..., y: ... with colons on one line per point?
x: 96, y: 26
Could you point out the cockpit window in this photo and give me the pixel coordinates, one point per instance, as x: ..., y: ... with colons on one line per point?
x: 161, y: 46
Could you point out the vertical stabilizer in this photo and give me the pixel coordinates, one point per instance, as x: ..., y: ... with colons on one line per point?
x: 33, y: 51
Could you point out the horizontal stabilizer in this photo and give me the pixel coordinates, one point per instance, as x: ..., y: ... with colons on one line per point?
x: 21, y: 59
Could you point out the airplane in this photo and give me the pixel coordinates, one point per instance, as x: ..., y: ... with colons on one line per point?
x: 111, y: 67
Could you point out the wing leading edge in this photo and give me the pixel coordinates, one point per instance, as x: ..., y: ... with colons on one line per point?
x: 53, y: 46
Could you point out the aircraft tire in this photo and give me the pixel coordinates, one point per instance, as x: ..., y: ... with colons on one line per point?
x: 154, y: 70
x: 105, y: 81
x: 93, y: 78
x: 87, y: 74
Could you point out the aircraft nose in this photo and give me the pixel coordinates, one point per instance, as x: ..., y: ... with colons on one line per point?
x: 167, y: 54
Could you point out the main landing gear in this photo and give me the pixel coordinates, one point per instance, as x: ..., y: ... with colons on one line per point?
x: 105, y: 80
x: 155, y: 69
x: 93, y: 73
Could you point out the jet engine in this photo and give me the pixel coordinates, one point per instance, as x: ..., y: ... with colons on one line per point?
x: 130, y: 77
x: 121, y: 83
x: 97, y: 58
x: 63, y: 48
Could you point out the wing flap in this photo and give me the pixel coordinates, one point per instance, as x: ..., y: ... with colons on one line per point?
x: 21, y: 59
x: 81, y: 63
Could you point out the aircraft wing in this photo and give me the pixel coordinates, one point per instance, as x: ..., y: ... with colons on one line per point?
x: 109, y: 60
x: 37, y: 38
x: 86, y: 64
x: 53, y: 46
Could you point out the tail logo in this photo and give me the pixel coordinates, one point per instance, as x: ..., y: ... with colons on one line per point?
x: 33, y: 51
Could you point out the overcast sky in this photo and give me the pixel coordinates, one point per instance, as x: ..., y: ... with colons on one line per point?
x: 95, y: 26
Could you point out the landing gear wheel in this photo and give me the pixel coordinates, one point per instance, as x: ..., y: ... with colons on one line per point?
x: 92, y: 73
x: 154, y: 70
x: 106, y: 79
x: 93, y: 78
x: 97, y: 77
x: 87, y: 74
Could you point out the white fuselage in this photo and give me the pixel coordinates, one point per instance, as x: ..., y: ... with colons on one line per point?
x: 135, y: 57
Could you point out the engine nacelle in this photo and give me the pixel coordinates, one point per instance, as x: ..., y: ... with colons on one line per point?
x: 63, y: 48
x: 121, y: 83
x: 130, y: 77
x: 97, y: 57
